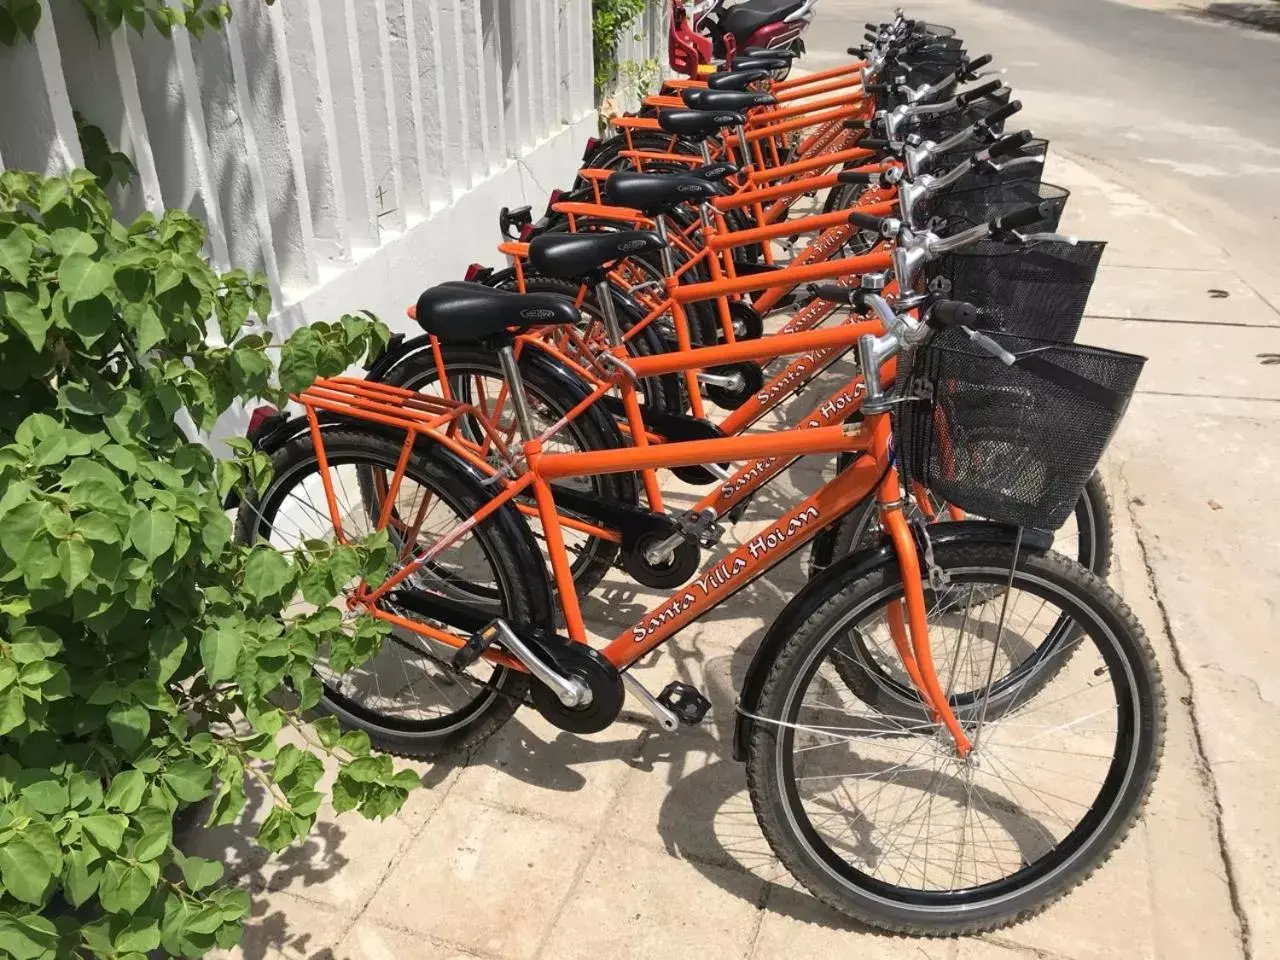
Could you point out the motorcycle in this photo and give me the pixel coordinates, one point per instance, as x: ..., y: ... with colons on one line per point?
x: 705, y: 31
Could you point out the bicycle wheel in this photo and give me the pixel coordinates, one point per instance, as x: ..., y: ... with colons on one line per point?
x: 475, y: 377
x: 408, y: 697
x: 881, y: 819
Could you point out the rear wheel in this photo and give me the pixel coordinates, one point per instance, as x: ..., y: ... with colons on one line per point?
x: 406, y: 697
x: 882, y: 820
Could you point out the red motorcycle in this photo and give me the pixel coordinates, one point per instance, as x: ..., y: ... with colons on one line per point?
x: 705, y: 31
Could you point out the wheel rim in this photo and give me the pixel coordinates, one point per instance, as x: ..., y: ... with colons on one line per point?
x: 405, y: 686
x: 1095, y: 781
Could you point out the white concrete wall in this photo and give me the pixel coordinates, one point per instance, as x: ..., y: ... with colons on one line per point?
x: 355, y: 151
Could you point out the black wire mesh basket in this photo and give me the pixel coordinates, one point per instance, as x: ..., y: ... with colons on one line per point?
x: 1014, y: 443
x: 948, y: 124
x: 965, y: 206
x: 1035, y: 291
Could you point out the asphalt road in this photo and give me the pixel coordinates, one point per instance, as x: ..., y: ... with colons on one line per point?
x: 1180, y: 107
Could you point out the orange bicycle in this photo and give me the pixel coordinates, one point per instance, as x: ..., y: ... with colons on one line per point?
x: 1020, y: 723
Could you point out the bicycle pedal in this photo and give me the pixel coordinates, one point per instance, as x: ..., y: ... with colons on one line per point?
x: 701, y: 528
x: 685, y: 702
x: 476, y: 645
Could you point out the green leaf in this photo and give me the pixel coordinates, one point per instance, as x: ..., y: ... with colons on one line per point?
x: 75, y: 558
x: 13, y: 709
x: 28, y: 865
x: 167, y: 277
x: 346, y: 794
x: 15, y: 252
x: 130, y: 726
x: 82, y: 278
x: 215, y: 531
x: 106, y: 829
x: 24, y: 314
x: 68, y: 241
x: 28, y: 937
x: 152, y: 531
x: 266, y: 573
x: 156, y: 827
x: 167, y: 648
x: 91, y: 319
x: 124, y: 887
x: 140, y: 935
x: 98, y: 527
x: 30, y: 644
x: 120, y: 457
x: 150, y: 330
x: 200, y: 874
x: 188, y: 780
x: 83, y: 873
x: 54, y: 191
x: 125, y: 792
x: 47, y: 795
x: 220, y: 651
x: 299, y: 360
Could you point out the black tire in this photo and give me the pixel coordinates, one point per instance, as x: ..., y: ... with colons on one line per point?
x: 1126, y: 769
x: 593, y: 429
x: 515, y: 594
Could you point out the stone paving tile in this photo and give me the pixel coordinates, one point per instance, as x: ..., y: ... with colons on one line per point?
x: 532, y: 767
x: 371, y: 941
x: 486, y: 879
x: 796, y: 925
x: 634, y: 903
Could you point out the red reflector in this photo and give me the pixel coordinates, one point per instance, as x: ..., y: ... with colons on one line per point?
x: 473, y: 271
x: 555, y: 197
x: 592, y: 143
x: 411, y: 311
x: 260, y: 416
x: 526, y: 232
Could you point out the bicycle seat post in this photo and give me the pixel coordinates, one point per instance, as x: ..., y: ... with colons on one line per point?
x: 519, y: 399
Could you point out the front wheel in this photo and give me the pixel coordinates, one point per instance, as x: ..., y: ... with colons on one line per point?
x: 882, y: 820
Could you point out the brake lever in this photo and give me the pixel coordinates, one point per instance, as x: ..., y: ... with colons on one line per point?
x: 1046, y: 238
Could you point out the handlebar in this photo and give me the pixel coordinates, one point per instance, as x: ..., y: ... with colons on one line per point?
x: 978, y: 92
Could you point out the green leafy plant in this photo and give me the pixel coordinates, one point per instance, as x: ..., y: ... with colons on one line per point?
x: 147, y: 662
x: 609, y: 18
x: 108, y: 166
x: 639, y: 76
x: 19, y: 18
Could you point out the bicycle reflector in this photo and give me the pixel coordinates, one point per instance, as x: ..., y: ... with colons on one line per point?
x: 473, y: 272
x: 526, y: 233
x: 592, y: 143
x: 260, y: 416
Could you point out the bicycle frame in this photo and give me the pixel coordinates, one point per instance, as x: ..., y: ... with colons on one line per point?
x: 872, y: 475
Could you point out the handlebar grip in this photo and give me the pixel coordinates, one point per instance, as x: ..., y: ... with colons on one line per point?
x: 832, y: 292
x: 873, y: 27
x: 977, y: 64
x: 858, y: 176
x: 953, y: 313
x: 978, y: 92
x: 856, y: 124
x: 873, y: 143
x: 866, y: 221
x: 870, y: 37
x: 1010, y: 144
x: 857, y: 51
x: 877, y: 87
x: 1023, y: 216
x: 1002, y: 114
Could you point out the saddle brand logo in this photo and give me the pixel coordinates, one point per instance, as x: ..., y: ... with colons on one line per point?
x: 630, y: 245
x: 689, y: 188
x: 725, y: 119
x: 537, y: 313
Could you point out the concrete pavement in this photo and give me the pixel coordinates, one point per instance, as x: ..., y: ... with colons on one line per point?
x: 635, y: 844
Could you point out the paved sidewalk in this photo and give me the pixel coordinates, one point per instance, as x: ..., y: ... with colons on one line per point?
x: 636, y: 844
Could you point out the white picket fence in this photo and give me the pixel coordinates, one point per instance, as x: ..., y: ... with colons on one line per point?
x: 355, y: 151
